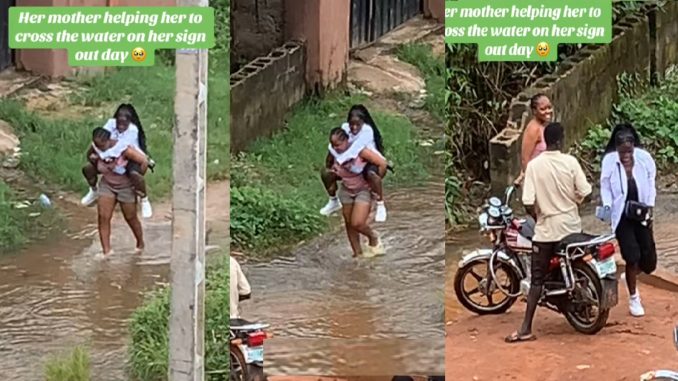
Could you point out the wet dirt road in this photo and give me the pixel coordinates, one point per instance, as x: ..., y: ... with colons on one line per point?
x: 57, y: 294
x: 624, y: 350
x: 333, y: 315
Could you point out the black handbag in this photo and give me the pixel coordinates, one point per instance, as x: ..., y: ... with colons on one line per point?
x: 636, y: 211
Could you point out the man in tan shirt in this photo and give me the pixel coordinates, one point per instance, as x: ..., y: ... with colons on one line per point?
x: 240, y: 288
x: 556, y: 182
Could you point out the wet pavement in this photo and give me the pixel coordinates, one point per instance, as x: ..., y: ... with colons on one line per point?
x: 334, y: 315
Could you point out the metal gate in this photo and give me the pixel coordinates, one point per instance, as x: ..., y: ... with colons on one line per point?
x: 6, y: 54
x: 371, y: 19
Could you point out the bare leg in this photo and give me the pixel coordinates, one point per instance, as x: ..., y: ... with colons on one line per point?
x: 329, y: 179
x: 360, y: 213
x: 139, y: 183
x: 105, y: 207
x: 129, y: 211
x: 353, y: 235
x: 90, y: 172
x: 375, y: 184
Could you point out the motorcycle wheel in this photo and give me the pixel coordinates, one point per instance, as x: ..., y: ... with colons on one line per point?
x: 256, y: 373
x: 582, y: 271
x: 239, y: 369
x: 464, y: 296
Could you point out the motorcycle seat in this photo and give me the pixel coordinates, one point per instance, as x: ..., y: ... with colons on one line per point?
x: 244, y: 325
x: 574, y: 238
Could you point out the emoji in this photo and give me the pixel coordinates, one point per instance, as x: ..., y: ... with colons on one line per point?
x: 139, y: 54
x: 543, y: 49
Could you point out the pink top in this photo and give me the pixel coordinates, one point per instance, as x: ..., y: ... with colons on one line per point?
x: 353, y: 182
x: 541, y: 145
x: 113, y: 179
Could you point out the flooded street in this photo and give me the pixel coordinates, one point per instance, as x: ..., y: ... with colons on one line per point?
x: 58, y: 295
x: 334, y: 315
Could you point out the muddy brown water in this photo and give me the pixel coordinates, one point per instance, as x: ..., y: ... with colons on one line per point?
x: 56, y: 295
x: 666, y: 225
x: 333, y: 315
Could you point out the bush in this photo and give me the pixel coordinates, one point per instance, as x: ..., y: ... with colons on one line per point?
x: 653, y: 111
x: 74, y: 366
x: 266, y: 218
x: 149, y: 351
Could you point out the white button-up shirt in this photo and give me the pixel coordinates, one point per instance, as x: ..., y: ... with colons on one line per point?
x: 614, y: 183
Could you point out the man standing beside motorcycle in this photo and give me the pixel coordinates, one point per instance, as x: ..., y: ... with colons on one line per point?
x: 239, y: 289
x: 556, y: 182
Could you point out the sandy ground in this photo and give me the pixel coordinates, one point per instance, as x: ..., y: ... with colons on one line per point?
x: 625, y: 349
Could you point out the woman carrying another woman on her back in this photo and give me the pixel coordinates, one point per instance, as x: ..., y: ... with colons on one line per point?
x: 627, y: 190
x: 533, y: 138
x: 116, y: 187
x: 355, y: 192
x: 362, y: 133
x: 125, y: 128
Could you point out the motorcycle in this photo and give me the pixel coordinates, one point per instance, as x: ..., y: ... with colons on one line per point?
x: 581, y: 282
x: 247, y: 349
x: 663, y: 375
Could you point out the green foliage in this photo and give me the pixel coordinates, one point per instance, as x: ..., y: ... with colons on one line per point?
x: 276, y: 187
x: 22, y: 221
x: 149, y: 328
x: 74, y: 366
x: 653, y: 111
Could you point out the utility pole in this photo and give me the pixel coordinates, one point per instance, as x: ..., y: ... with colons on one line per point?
x: 187, y: 316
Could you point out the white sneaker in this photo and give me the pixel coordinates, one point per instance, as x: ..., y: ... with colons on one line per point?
x: 90, y: 198
x: 635, y: 307
x: 146, y: 210
x: 332, y: 206
x: 381, y: 212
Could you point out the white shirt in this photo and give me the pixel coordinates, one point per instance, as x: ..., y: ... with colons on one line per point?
x: 363, y: 139
x: 130, y: 137
x: 614, y: 183
x: 239, y: 286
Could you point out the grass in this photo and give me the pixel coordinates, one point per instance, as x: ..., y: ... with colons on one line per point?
x: 20, y: 221
x: 74, y: 366
x: 54, y: 149
x: 433, y: 69
x: 652, y: 110
x: 276, y: 189
x: 150, y: 330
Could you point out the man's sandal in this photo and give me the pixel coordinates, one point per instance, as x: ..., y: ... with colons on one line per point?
x: 515, y: 337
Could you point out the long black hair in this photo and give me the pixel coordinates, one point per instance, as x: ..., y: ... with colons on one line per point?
x: 361, y: 112
x: 622, y: 130
x: 134, y: 118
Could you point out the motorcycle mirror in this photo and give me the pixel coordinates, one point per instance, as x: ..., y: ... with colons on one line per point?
x: 482, y: 220
x: 494, y: 201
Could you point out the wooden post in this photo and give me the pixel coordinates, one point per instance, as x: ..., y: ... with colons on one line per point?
x: 187, y: 316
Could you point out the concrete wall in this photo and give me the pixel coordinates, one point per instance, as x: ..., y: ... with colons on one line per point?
x: 584, y: 89
x: 324, y: 27
x: 257, y: 26
x: 435, y: 9
x: 263, y: 91
x: 54, y: 63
